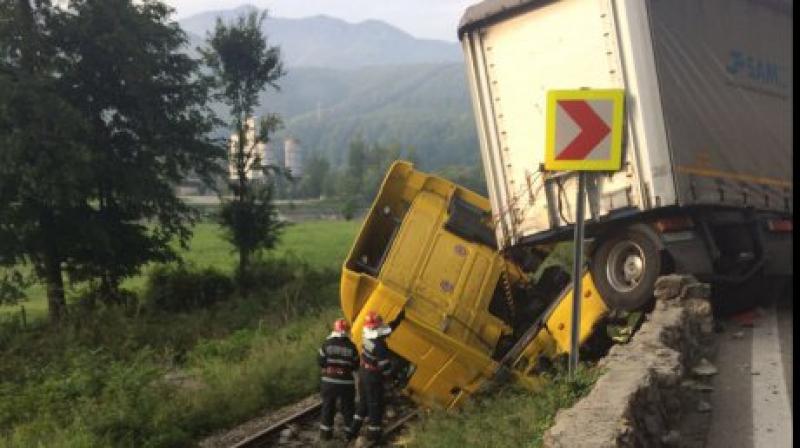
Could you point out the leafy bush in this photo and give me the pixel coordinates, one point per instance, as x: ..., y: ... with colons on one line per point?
x: 561, y: 255
x: 179, y: 289
x: 90, y: 397
x: 12, y: 284
x: 271, y: 273
x: 349, y: 209
x: 101, y: 378
x: 243, y: 377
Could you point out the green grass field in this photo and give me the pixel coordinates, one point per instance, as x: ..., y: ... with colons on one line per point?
x: 322, y: 244
x: 100, y: 380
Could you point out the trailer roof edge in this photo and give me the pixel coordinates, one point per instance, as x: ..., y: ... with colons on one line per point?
x: 490, y: 11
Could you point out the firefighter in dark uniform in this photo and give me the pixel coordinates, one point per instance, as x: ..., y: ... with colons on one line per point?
x: 338, y: 359
x: 374, y: 373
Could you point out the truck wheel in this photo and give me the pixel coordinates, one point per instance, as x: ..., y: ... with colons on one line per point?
x: 624, y: 268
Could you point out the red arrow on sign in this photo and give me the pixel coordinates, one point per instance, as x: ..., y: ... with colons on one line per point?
x: 593, y: 130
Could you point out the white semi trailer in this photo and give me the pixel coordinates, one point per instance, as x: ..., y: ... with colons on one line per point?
x: 706, y: 185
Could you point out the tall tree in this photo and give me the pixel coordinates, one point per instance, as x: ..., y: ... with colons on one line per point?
x: 100, y: 124
x: 316, y: 168
x: 125, y: 69
x: 357, y: 154
x: 351, y: 182
x: 243, y: 65
x: 42, y: 161
x: 379, y: 158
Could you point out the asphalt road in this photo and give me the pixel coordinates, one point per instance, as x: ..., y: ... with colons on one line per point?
x: 753, y: 391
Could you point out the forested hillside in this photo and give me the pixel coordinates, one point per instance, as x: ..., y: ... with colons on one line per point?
x: 424, y: 106
x: 367, y: 80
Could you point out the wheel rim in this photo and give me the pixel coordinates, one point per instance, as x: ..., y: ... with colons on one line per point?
x: 626, y: 266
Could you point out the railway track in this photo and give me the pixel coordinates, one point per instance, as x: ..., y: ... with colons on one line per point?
x: 301, y: 428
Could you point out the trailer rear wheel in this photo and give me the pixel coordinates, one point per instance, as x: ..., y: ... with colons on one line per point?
x: 625, y: 267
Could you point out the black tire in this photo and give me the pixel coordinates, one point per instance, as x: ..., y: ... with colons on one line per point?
x: 626, y: 285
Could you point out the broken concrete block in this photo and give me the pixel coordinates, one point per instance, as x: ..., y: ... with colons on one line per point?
x: 698, y: 307
x: 703, y: 406
x: 704, y: 368
x: 288, y: 433
x: 696, y: 386
x: 696, y: 291
x: 639, y: 399
x: 669, y: 286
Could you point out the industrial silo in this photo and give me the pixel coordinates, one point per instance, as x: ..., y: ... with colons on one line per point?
x: 293, y: 156
x: 269, y: 155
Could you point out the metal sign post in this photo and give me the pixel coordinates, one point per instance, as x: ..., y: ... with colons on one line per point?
x: 584, y: 133
x: 577, y: 278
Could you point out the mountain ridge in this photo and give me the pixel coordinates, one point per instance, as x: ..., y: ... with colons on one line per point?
x: 325, y: 41
x: 368, y: 80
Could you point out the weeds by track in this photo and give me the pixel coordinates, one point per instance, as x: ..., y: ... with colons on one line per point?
x: 301, y: 427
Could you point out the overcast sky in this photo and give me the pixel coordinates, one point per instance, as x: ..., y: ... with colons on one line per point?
x: 431, y: 19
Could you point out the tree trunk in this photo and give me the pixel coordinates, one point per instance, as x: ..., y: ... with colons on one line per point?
x: 109, y: 290
x: 56, y: 303
x: 244, y: 268
x: 239, y: 196
x: 51, y: 266
x: 54, y: 281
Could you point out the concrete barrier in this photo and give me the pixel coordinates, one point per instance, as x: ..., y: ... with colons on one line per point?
x: 638, y: 399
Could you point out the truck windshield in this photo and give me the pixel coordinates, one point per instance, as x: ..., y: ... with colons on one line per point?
x: 383, y: 225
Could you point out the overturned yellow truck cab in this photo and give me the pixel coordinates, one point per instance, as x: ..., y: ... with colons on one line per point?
x: 427, y: 248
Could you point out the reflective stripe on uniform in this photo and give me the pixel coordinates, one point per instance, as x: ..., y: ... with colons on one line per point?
x: 337, y: 381
x: 325, y: 427
x: 358, y: 417
x: 342, y: 362
x: 373, y: 428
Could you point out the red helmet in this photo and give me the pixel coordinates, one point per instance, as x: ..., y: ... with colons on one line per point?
x: 341, y: 326
x: 373, y: 320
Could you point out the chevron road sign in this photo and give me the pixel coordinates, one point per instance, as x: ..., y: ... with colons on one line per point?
x: 584, y: 133
x: 584, y: 130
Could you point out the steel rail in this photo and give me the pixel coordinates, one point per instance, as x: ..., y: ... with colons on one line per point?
x: 259, y: 437
x: 262, y: 436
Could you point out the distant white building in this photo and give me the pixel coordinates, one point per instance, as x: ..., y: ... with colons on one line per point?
x: 257, y: 153
x: 293, y: 156
x: 270, y: 155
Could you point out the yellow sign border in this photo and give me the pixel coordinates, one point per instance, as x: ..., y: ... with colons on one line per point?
x: 614, y: 163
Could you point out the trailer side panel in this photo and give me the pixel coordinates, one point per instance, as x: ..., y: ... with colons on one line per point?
x: 725, y: 77
x: 512, y: 64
